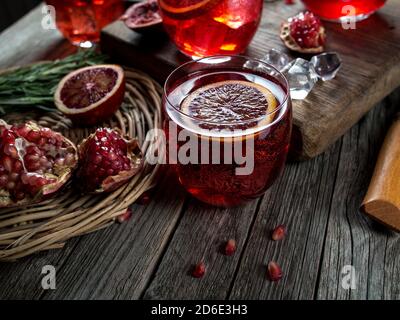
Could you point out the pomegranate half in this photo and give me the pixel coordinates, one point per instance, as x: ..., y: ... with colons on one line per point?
x: 35, y: 162
x: 304, y: 33
x: 107, y: 161
x: 143, y: 17
x: 91, y: 95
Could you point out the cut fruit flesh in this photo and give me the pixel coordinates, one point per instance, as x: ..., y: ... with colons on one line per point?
x: 233, y: 102
x: 143, y: 16
x: 92, y: 94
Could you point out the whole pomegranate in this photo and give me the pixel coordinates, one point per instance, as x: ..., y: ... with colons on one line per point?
x: 107, y: 161
x: 34, y: 162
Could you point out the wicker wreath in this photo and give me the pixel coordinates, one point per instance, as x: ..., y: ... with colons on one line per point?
x: 47, y: 225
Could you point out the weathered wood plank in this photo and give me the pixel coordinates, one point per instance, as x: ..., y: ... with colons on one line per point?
x: 118, y: 262
x: 201, y: 236
x: 352, y: 238
x: 301, y: 202
x: 22, y: 279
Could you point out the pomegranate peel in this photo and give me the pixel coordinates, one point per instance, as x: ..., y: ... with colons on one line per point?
x: 91, y: 95
x: 108, y: 161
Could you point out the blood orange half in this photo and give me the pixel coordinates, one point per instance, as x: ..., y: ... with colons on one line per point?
x: 92, y: 94
x: 186, y: 9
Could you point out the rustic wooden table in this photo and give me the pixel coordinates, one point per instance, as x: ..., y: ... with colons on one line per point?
x: 150, y: 256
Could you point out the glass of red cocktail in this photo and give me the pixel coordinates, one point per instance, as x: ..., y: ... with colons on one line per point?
x: 202, y: 28
x: 228, y: 124
x: 81, y: 21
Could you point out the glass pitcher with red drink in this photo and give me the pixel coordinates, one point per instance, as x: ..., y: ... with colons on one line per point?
x: 202, y: 28
x: 337, y: 10
x: 80, y: 21
x: 228, y: 124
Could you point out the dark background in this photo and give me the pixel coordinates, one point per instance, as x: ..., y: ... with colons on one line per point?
x: 12, y: 10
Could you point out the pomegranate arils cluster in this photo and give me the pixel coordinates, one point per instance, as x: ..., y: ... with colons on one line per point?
x: 34, y: 161
x: 304, y: 33
x: 106, y: 161
x: 305, y: 29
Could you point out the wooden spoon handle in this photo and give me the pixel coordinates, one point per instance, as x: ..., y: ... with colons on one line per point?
x: 382, y: 201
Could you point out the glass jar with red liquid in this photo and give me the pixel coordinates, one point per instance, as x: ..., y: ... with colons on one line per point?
x: 80, y: 21
x: 228, y: 123
x: 202, y: 28
x: 337, y: 10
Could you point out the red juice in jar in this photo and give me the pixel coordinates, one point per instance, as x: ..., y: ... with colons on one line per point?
x: 336, y: 9
x: 224, y: 110
x: 202, y: 28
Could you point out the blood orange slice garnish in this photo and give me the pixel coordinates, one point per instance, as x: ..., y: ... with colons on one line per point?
x: 232, y: 102
x: 91, y: 95
x: 186, y: 9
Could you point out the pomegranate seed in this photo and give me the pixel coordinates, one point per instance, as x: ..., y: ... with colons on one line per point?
x: 125, y: 216
x: 274, y: 271
x: 10, y: 185
x: 17, y: 166
x: 278, y: 233
x: 7, y: 162
x: 11, y: 151
x: 199, y: 270
x: 289, y: 2
x: 3, y: 180
x: 144, y: 199
x: 33, y: 136
x: 230, y: 247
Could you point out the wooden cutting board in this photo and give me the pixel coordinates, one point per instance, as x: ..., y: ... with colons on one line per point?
x: 370, y: 71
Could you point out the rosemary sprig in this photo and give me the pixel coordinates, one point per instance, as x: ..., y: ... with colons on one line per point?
x: 35, y: 85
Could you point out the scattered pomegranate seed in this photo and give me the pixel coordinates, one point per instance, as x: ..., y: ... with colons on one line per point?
x: 274, y: 271
x: 199, y: 270
x: 289, y: 1
x: 125, y: 216
x: 278, y: 233
x: 144, y: 199
x: 230, y: 247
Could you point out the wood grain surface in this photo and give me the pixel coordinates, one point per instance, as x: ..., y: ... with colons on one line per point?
x: 371, y: 68
x: 151, y: 255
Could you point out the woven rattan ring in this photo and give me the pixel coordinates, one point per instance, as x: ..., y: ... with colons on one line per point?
x: 47, y: 225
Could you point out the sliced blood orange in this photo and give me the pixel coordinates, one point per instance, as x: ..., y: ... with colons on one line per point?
x: 186, y: 9
x: 231, y: 102
x: 92, y: 94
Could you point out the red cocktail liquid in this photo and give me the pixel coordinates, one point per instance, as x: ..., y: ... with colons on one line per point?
x: 80, y: 21
x: 335, y: 9
x: 202, y: 28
